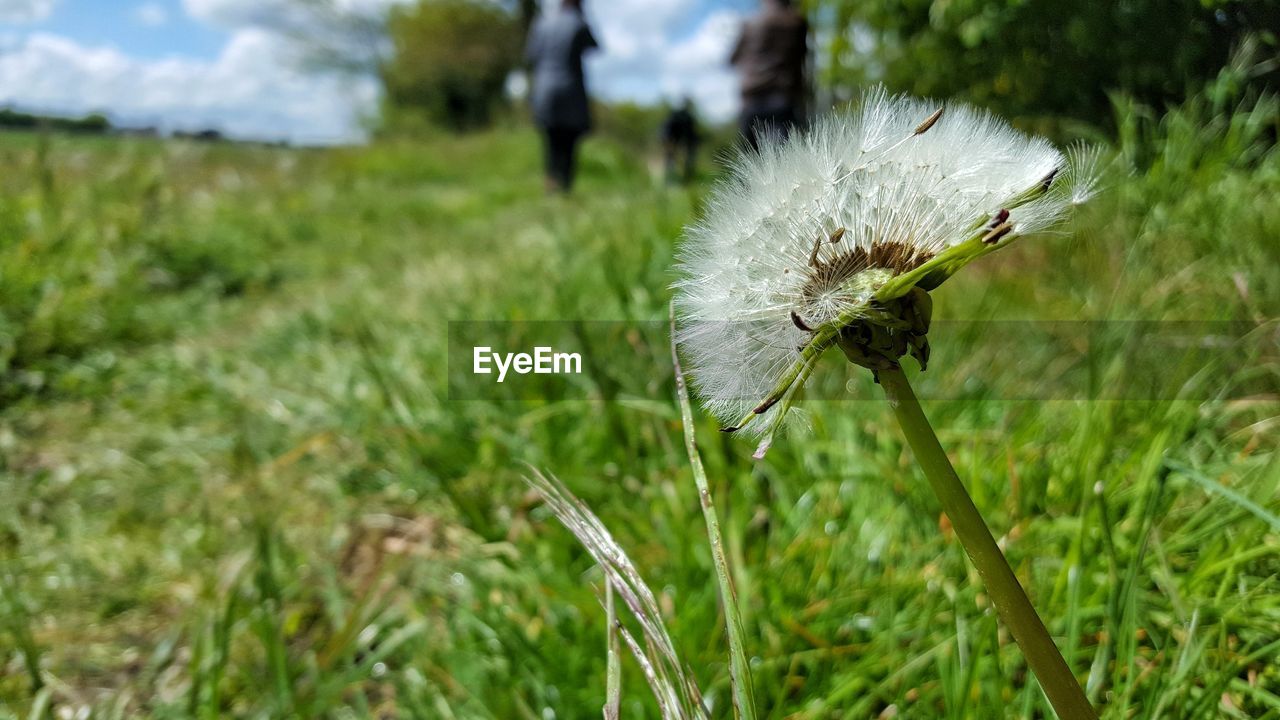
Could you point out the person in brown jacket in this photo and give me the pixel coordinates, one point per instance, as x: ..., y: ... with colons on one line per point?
x: 770, y: 58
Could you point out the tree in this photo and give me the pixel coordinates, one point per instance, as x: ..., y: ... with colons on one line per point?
x: 1039, y: 57
x: 450, y: 60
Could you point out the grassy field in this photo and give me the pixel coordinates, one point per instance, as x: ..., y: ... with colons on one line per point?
x: 234, y: 484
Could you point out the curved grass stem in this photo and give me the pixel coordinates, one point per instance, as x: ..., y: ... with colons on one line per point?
x: 743, y: 696
x: 1002, y: 585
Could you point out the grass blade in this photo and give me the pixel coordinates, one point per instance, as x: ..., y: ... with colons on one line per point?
x: 41, y: 706
x: 673, y: 687
x: 1216, y: 488
x: 613, y: 683
x: 739, y: 670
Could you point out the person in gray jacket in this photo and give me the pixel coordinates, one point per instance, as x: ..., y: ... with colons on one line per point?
x: 554, y: 50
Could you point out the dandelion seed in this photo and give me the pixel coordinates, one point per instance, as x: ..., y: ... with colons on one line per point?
x: 809, y: 231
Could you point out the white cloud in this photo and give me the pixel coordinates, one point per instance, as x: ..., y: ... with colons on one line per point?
x: 151, y: 14
x: 24, y: 11
x: 652, y: 50
x: 237, y: 13
x: 698, y: 66
x: 251, y: 89
x: 628, y: 27
x: 643, y: 60
x: 323, y: 31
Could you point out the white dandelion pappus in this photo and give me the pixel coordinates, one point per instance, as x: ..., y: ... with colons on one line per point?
x: 869, y: 204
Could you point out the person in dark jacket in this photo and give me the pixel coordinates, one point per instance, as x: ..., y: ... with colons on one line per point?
x: 554, y: 50
x: 680, y: 136
x: 770, y: 58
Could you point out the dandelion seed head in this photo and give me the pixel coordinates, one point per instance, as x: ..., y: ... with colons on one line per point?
x: 805, y: 230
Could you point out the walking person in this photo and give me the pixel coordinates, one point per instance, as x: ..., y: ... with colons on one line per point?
x: 555, y: 47
x: 680, y: 136
x: 770, y: 58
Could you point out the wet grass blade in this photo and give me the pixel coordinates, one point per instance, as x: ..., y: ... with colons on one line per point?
x: 613, y: 681
x: 739, y: 670
x: 1214, y: 487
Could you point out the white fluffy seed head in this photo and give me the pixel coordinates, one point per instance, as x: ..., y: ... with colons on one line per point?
x: 814, y: 225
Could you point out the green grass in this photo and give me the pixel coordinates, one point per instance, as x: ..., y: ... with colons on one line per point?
x: 234, y: 484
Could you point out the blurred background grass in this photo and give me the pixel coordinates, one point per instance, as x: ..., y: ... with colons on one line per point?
x: 233, y: 485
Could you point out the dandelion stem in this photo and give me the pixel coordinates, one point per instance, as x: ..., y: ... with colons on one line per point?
x: 1002, y: 585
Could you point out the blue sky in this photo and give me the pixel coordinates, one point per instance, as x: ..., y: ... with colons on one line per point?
x: 186, y: 64
x: 146, y: 30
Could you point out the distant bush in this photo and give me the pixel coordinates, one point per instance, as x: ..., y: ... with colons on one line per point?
x: 1041, y: 57
x: 1228, y: 125
x: 634, y: 127
x: 92, y: 123
x: 450, y: 62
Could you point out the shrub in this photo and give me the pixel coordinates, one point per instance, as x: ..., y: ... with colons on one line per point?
x: 450, y: 61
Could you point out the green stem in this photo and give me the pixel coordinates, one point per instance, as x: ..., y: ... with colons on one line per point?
x: 1002, y: 585
x: 613, y: 672
x: 743, y: 696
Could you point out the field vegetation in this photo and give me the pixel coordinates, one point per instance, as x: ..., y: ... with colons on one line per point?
x: 235, y: 485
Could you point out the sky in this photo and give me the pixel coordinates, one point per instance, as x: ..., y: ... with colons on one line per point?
x: 227, y: 64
